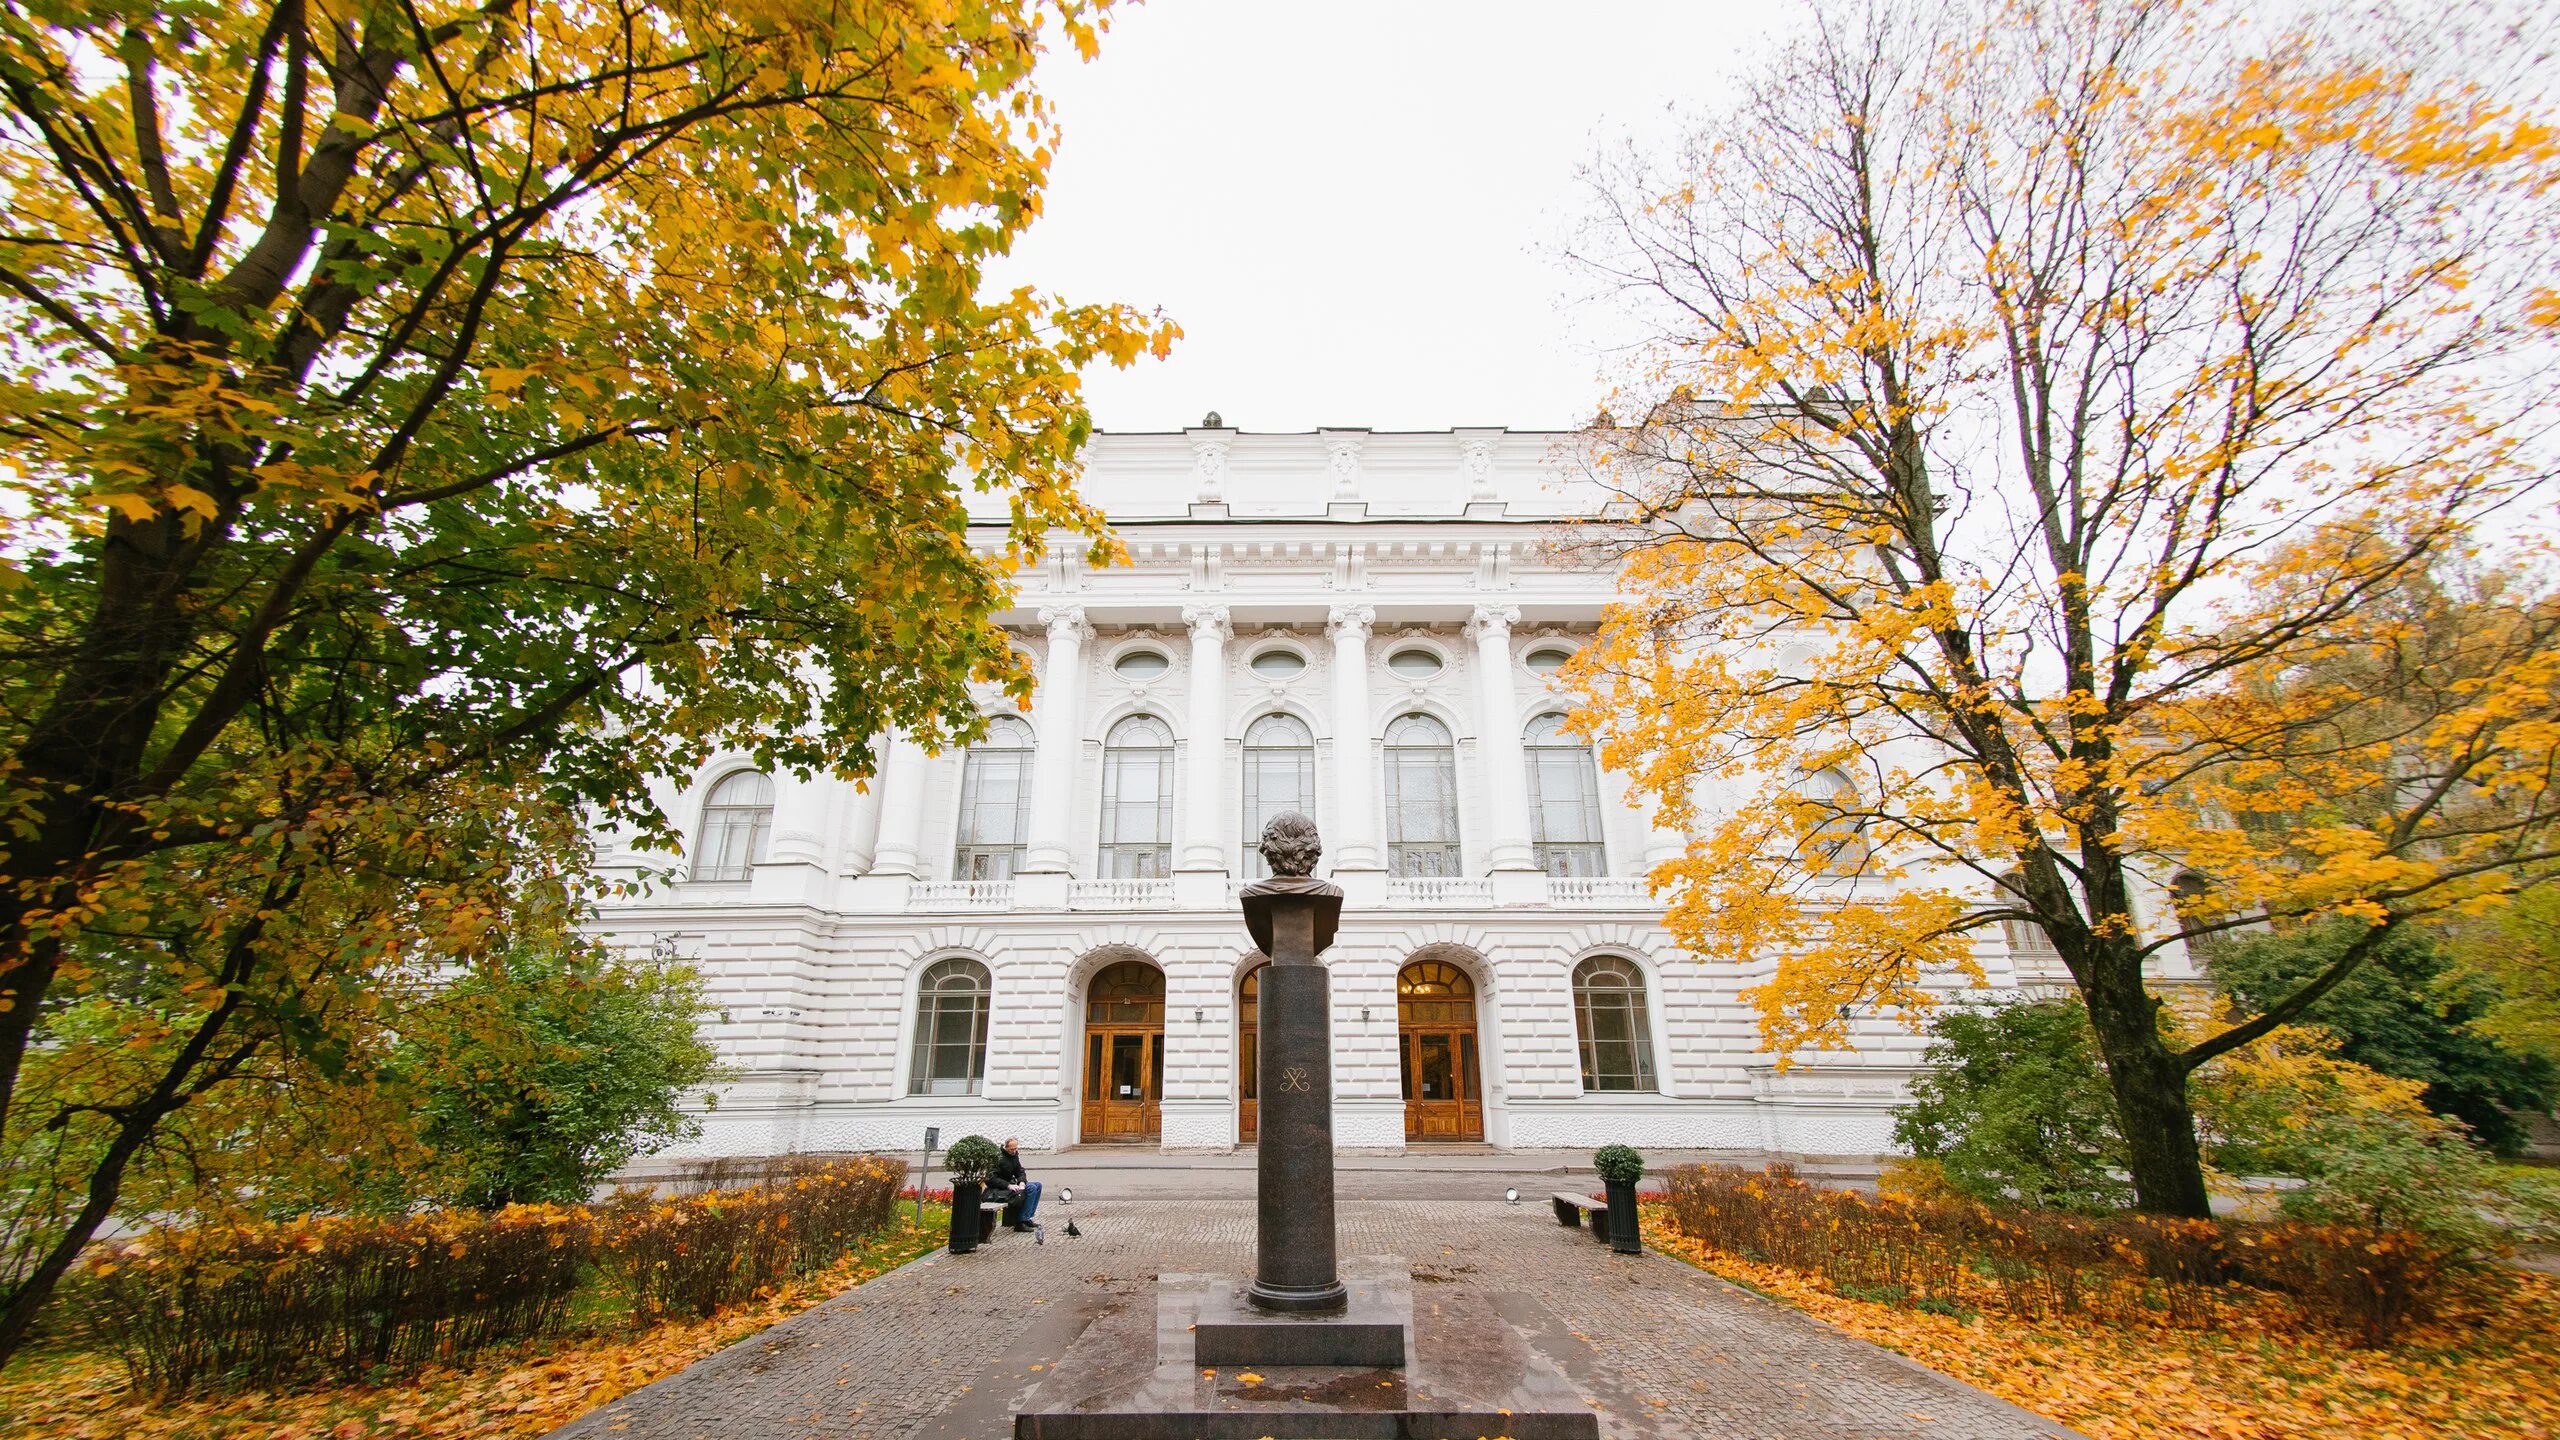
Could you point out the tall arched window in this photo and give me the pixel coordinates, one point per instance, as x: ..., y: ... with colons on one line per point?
x: 1422, y: 798
x: 1839, y: 840
x: 1608, y: 1010
x: 951, y: 1028
x: 735, y: 819
x: 994, y: 814
x: 2029, y: 947
x: 1137, y: 800
x: 1279, y: 775
x: 1564, y: 800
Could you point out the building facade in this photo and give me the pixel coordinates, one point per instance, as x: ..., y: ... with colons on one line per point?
x: 1039, y: 937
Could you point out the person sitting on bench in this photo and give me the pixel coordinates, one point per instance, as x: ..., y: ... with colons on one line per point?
x: 1009, y: 1175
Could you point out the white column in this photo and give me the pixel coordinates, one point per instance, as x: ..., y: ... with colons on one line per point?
x: 901, y: 849
x: 1053, y: 766
x: 1506, y: 776
x: 862, y: 815
x: 1203, y: 831
x: 1352, y: 835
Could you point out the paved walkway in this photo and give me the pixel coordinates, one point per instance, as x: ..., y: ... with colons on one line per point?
x: 944, y: 1348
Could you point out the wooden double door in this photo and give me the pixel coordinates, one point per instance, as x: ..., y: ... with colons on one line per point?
x: 1436, y: 1040
x: 1124, y: 1055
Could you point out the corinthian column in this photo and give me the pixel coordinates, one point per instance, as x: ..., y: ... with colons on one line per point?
x: 1203, y: 837
x: 1355, y: 769
x: 1053, y: 765
x: 1506, y: 777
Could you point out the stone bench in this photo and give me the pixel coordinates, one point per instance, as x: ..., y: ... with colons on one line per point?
x: 1573, y: 1208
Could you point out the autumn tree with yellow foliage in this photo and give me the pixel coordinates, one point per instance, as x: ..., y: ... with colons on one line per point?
x: 2043, y: 404
x: 390, y: 384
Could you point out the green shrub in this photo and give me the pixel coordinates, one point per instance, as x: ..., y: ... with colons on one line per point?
x: 972, y: 1158
x: 1619, y: 1164
x: 2014, y: 1107
x: 545, y: 1071
x: 2407, y: 1011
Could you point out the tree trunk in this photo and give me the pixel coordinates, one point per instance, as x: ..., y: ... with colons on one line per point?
x: 2150, y: 1087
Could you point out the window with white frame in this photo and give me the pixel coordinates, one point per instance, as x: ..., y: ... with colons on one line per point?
x: 1564, y: 800
x: 1279, y: 776
x: 1421, y: 779
x: 995, y: 810
x: 951, y: 1028
x: 736, y: 818
x: 1608, y: 1011
x: 1838, y: 842
x: 1137, y: 800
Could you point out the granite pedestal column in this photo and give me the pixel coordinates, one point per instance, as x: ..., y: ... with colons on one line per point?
x: 1293, y: 920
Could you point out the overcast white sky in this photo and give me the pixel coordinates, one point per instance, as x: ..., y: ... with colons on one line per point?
x: 1349, y: 207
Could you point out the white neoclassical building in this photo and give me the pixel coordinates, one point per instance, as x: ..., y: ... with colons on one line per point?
x: 1039, y: 937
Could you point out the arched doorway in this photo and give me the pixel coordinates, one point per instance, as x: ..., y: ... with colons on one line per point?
x: 1124, y: 1054
x: 1436, y: 1039
x: 1249, y: 1054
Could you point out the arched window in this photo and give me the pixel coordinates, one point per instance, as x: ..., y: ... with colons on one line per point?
x: 735, y: 819
x: 1279, y: 775
x: 1137, y: 800
x: 1422, y: 798
x: 1564, y: 801
x: 1608, y: 1010
x: 951, y: 1028
x: 2030, y: 949
x: 1838, y: 841
x: 995, y: 815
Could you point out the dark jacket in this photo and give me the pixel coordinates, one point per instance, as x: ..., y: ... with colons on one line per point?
x: 1009, y: 1171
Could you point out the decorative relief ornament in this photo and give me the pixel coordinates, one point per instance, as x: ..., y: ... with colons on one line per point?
x: 1342, y: 462
x: 1476, y: 463
x: 1352, y: 621
x: 1209, y: 463
x: 1493, y: 621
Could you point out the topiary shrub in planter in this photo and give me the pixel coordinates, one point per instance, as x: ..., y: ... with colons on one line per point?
x: 1620, y: 1167
x: 972, y: 1159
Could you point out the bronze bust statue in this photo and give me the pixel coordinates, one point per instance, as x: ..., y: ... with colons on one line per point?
x: 1291, y: 847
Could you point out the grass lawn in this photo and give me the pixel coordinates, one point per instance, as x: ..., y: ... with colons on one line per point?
x: 2488, y: 1367
x: 74, y: 1394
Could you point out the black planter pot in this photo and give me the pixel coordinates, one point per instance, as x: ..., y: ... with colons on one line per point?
x: 1625, y: 1236
x: 965, y: 1229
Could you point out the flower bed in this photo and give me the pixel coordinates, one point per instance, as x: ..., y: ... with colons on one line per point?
x: 2479, y: 1370
x: 340, y: 1298
x: 1956, y: 1255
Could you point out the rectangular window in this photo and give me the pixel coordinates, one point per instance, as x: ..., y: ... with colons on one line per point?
x: 993, y: 816
x: 1276, y: 780
x: 1422, y: 811
x: 1137, y: 814
x: 1564, y: 808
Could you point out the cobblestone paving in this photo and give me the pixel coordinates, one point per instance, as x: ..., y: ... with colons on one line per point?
x: 937, y: 1350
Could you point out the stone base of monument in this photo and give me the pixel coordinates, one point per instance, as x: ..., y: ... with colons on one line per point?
x: 1370, y: 1329
x: 1138, y: 1373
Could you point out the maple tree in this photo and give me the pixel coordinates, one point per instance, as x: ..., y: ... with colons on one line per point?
x: 2042, y: 405
x: 390, y: 385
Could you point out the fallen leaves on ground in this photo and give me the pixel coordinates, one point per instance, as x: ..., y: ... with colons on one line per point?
x: 2483, y: 1368
x: 81, y: 1395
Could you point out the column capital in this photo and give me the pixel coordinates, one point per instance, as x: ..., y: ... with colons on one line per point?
x: 1207, y: 622
x: 1493, y: 622
x: 1352, y: 621
x: 1065, y: 622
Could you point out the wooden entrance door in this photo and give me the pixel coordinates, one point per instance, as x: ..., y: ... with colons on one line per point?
x: 1436, y: 1034
x: 1248, y: 1056
x: 1124, y: 1054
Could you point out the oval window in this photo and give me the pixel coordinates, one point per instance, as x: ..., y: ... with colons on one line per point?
x: 1547, y: 661
x: 1142, y: 665
x: 1414, y: 664
x: 1277, y: 664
